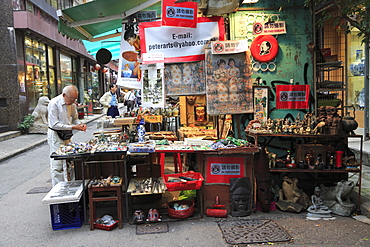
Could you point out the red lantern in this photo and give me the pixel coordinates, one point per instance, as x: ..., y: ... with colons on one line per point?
x: 97, y: 66
x: 105, y: 70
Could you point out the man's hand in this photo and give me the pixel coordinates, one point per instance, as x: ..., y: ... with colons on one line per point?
x: 81, y: 127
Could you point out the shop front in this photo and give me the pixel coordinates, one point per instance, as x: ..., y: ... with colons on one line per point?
x: 227, y: 126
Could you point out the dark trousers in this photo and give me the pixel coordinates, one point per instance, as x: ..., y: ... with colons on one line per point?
x: 130, y: 105
x: 113, y: 111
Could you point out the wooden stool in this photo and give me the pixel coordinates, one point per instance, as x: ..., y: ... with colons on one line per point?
x: 177, y: 163
x: 94, y: 191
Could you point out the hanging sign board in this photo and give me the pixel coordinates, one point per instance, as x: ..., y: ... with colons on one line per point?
x: 182, y: 14
x: 180, y: 44
x: 229, y: 46
x: 271, y: 28
x: 292, y: 96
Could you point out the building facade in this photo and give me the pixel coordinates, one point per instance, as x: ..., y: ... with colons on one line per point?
x: 38, y: 61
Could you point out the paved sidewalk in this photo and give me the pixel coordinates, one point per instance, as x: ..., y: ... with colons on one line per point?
x: 19, y: 144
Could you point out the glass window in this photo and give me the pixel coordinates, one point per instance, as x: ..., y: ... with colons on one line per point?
x: 36, y: 76
x: 65, y: 70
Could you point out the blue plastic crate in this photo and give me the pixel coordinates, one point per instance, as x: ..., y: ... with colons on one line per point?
x: 66, y: 216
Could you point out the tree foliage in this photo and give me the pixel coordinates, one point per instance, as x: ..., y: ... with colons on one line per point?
x: 347, y: 14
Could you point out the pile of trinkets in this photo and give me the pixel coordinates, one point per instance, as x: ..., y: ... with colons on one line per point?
x: 103, y: 182
x: 101, y: 144
x: 150, y: 185
x: 231, y: 142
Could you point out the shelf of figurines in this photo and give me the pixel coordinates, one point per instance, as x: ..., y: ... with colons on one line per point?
x: 327, y: 123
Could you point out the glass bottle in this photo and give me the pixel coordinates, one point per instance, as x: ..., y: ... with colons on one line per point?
x: 288, y: 159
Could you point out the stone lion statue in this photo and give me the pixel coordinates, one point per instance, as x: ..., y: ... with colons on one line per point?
x: 40, y: 123
x: 337, y: 198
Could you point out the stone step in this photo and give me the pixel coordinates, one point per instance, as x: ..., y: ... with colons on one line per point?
x: 4, y: 128
x: 9, y: 134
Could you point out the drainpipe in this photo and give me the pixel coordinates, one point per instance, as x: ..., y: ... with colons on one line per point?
x: 366, y: 86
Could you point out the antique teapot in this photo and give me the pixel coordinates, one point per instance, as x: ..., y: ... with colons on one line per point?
x: 349, y: 124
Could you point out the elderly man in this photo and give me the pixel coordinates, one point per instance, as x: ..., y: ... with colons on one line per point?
x: 62, y: 115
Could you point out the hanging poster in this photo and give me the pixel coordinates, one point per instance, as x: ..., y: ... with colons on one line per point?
x: 129, y: 71
x: 153, y: 89
x: 185, y: 78
x: 228, y: 83
x: 181, y: 44
x: 292, y: 96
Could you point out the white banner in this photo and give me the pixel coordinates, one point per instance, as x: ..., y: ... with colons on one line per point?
x: 180, y: 44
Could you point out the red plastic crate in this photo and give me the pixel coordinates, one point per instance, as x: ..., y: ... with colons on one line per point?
x: 188, y: 185
x: 106, y: 227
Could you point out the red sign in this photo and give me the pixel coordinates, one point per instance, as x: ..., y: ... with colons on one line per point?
x: 183, y: 14
x: 292, y: 96
x: 221, y: 169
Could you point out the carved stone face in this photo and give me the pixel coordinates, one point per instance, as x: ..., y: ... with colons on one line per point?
x: 191, y: 99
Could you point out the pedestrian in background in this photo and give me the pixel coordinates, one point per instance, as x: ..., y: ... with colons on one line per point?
x: 130, y: 100
x: 62, y: 116
x: 109, y: 100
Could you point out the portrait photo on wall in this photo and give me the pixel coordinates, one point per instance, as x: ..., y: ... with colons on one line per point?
x: 228, y: 83
x: 184, y: 78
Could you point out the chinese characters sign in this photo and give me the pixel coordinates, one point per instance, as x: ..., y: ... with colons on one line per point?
x: 221, y: 169
x: 292, y: 96
x: 230, y: 46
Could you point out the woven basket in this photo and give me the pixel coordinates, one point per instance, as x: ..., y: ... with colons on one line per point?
x: 180, y: 214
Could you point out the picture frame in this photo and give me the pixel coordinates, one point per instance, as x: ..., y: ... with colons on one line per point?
x: 261, y: 103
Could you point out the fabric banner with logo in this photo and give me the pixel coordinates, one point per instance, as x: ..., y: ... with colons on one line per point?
x: 183, y: 14
x: 181, y: 44
x: 292, y: 96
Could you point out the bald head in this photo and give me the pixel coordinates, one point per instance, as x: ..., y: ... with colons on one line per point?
x: 70, y: 94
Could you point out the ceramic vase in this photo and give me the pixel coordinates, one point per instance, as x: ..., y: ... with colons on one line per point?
x: 357, y: 67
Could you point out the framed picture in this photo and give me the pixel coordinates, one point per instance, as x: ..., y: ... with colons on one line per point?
x: 261, y: 103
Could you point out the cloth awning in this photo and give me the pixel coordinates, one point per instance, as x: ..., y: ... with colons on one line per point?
x: 91, y: 19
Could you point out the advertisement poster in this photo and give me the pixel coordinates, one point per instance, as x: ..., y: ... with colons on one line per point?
x: 129, y: 71
x: 292, y: 96
x: 185, y: 78
x: 221, y: 169
x: 180, y: 44
x: 228, y: 83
